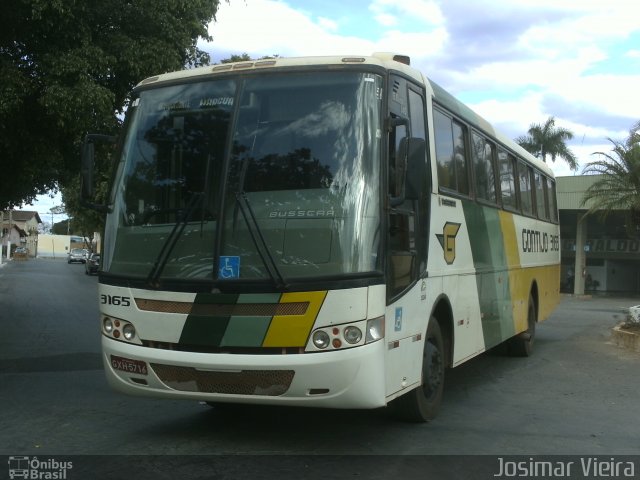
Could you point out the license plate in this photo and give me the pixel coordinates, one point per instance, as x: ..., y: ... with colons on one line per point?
x: 128, y: 365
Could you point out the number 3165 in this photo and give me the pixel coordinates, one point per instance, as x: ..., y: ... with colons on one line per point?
x: 115, y: 300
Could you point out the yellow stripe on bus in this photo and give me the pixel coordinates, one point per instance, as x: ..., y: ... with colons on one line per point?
x: 510, y: 239
x: 293, y: 330
x: 519, y: 280
x: 547, y: 279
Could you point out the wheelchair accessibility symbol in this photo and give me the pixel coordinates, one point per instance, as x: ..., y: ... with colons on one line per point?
x: 229, y: 267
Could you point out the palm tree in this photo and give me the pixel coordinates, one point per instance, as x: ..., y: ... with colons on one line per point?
x: 547, y: 139
x: 618, y: 188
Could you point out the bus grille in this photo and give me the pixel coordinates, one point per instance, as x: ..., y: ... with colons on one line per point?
x: 269, y: 383
x: 223, y: 310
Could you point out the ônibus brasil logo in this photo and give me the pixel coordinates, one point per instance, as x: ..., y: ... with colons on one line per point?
x: 36, y: 469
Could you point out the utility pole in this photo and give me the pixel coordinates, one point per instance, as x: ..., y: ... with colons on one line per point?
x: 9, y: 241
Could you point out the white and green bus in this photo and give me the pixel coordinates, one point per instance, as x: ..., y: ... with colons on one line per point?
x: 324, y: 231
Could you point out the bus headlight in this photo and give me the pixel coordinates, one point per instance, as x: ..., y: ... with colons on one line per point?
x: 128, y: 331
x: 375, y: 330
x: 120, y: 330
x: 321, y: 339
x: 107, y: 325
x: 352, y: 334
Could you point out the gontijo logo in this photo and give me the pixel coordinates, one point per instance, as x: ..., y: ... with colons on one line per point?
x: 33, y: 468
x: 448, y: 241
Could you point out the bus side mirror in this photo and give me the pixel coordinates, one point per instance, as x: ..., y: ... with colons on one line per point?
x: 87, y: 188
x: 87, y: 181
x: 410, y: 170
x: 416, y: 158
x: 398, y: 128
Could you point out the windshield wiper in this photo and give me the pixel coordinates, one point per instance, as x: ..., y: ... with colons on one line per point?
x: 259, y: 241
x: 172, y: 239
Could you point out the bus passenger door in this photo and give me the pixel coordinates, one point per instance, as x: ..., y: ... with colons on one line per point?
x: 407, y: 188
x: 407, y: 221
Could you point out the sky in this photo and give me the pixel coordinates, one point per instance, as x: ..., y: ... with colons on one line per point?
x: 515, y: 62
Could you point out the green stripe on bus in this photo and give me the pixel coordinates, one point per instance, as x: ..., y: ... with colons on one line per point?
x: 245, y: 331
x: 219, y: 298
x: 492, y: 278
x: 205, y: 330
x: 208, y: 330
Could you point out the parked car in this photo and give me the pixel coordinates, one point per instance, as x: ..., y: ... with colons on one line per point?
x: 21, y: 252
x: 92, y: 264
x: 77, y: 255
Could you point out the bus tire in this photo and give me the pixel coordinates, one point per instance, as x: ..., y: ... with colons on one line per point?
x: 522, y: 344
x: 422, y: 403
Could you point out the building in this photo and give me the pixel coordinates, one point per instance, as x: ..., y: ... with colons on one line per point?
x: 20, y: 229
x: 603, y: 252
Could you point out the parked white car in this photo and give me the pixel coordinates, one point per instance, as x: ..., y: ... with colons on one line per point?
x: 77, y: 255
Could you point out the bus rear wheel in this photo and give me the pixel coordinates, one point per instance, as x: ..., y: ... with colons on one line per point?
x: 422, y: 403
x: 522, y: 344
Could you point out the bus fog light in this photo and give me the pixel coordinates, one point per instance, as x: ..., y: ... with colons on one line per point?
x: 107, y: 324
x: 352, y: 335
x: 321, y: 339
x: 128, y: 331
x: 375, y: 329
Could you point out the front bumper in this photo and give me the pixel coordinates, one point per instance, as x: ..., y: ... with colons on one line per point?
x: 350, y: 378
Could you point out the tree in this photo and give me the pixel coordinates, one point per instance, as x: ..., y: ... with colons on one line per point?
x: 66, y: 68
x: 618, y: 187
x: 547, y: 139
x: 244, y: 57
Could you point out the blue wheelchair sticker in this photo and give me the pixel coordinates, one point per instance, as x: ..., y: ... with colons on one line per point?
x: 398, y: 323
x: 229, y: 267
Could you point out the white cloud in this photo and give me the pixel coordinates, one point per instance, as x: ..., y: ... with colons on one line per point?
x: 327, y: 24
x: 513, y: 117
x: 413, y: 44
x: 266, y: 27
x: 386, y: 19
x: 388, y: 12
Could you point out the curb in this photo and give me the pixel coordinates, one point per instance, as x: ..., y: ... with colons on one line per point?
x: 629, y: 340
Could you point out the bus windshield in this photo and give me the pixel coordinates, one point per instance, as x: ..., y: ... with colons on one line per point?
x: 261, y: 177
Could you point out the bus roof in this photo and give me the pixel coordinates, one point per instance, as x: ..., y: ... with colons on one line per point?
x: 385, y: 60
x: 388, y: 61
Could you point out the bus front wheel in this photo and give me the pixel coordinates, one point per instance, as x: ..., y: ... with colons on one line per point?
x: 422, y: 403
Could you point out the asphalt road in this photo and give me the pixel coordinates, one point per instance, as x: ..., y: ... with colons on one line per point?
x: 578, y: 393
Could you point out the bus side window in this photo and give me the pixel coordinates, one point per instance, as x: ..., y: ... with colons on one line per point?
x: 484, y: 168
x: 553, y: 205
x: 542, y: 203
x: 526, y: 200
x: 444, y: 150
x: 453, y: 173
x: 507, y: 180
